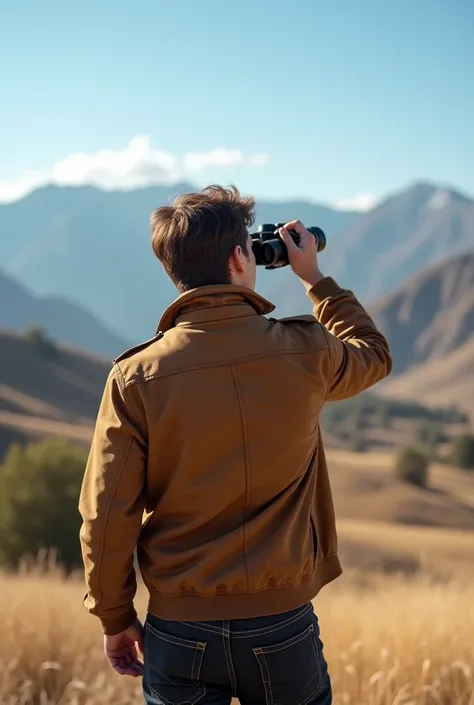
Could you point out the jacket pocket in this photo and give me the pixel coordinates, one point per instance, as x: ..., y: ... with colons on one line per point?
x: 292, y: 672
x: 173, y: 667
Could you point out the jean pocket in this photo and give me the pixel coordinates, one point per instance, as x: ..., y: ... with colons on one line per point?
x: 173, y: 667
x: 291, y: 671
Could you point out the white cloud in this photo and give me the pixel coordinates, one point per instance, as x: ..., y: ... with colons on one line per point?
x: 136, y: 165
x: 360, y: 202
x: 196, y: 161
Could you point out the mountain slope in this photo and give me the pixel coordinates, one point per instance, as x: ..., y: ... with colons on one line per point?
x: 44, y: 393
x: 408, y: 231
x: 429, y: 322
x: 411, y: 230
x: 444, y: 381
x: 431, y: 314
x: 63, y: 320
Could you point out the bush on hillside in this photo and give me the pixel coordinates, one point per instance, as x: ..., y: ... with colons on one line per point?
x: 37, y: 338
x: 462, y: 454
x: 359, y: 445
x: 412, y: 466
x: 430, y: 434
x: 39, y: 491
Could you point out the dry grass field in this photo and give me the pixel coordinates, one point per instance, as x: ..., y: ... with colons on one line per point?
x: 389, y: 640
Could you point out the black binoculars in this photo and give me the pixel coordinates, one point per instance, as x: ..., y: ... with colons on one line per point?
x: 269, y: 249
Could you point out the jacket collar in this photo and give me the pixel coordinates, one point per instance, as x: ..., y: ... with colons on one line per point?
x: 211, y: 303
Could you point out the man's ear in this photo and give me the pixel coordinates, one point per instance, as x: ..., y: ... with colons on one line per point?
x: 237, y: 260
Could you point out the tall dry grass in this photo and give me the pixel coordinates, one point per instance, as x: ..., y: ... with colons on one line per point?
x: 394, y: 642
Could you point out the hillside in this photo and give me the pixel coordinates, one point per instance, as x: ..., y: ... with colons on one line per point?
x: 431, y: 314
x: 56, y: 390
x: 429, y: 322
x: 93, y: 247
x: 444, y: 381
x: 63, y: 320
x: 47, y: 392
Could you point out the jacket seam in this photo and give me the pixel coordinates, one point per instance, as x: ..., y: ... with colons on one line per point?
x: 222, y: 363
x: 326, y: 335
x: 243, y: 423
x: 185, y: 324
x: 127, y: 396
x: 106, y: 521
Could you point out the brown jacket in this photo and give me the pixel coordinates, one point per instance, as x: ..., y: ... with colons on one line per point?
x: 208, y: 457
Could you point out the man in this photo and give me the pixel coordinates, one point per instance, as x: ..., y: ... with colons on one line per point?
x: 207, y: 458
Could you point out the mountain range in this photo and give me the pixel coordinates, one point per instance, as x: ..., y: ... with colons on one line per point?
x: 93, y: 247
x: 78, y: 261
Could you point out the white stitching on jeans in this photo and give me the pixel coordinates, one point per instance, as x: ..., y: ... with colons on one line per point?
x: 200, y: 686
x: 260, y: 655
x: 317, y: 659
x: 266, y: 681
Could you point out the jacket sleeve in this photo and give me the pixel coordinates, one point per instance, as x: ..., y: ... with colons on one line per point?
x: 111, y: 505
x: 359, y: 356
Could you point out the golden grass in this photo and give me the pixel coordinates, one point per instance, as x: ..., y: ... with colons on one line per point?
x: 394, y: 642
x: 440, y: 553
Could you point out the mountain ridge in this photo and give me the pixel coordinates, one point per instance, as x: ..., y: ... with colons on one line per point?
x: 63, y: 320
x: 429, y: 323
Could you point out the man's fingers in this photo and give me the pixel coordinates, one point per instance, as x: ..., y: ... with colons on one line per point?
x: 126, y: 667
x: 118, y: 653
x: 291, y: 246
x: 296, y: 225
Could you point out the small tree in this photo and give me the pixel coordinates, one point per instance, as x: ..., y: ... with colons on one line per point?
x: 412, y: 466
x: 359, y: 444
x: 39, y: 491
x: 384, y: 420
x: 462, y: 454
x: 37, y: 337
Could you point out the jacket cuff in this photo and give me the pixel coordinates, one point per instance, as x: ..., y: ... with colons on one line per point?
x: 324, y: 289
x: 115, y: 625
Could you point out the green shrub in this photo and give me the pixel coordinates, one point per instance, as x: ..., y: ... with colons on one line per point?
x: 39, y: 491
x: 462, y: 454
x: 359, y: 445
x: 412, y: 466
x: 38, y: 339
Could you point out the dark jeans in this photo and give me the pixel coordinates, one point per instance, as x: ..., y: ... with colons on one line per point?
x: 275, y: 660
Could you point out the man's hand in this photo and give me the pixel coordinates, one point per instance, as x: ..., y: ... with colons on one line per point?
x: 303, y: 258
x: 121, y: 650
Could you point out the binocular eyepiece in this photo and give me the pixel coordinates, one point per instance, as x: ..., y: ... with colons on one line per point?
x: 269, y: 249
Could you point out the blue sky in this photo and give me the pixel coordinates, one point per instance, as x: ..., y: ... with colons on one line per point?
x: 327, y: 99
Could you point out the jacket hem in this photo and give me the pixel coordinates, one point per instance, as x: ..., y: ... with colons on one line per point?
x: 199, y: 608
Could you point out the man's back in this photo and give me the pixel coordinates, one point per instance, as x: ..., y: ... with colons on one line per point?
x: 227, y: 403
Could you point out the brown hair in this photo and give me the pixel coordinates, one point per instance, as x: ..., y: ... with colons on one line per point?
x: 194, y: 238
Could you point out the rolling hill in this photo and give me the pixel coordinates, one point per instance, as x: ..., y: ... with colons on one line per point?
x: 64, y: 320
x: 55, y: 390
x: 43, y: 392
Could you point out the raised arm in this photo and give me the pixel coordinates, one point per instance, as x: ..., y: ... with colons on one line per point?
x: 358, y: 353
